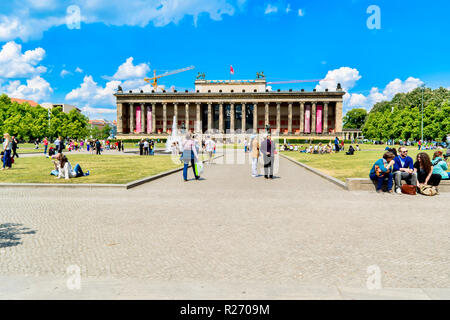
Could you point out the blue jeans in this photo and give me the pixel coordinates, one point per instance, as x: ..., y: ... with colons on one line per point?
x: 380, y: 180
x: 7, y: 159
x: 186, y: 165
x: 78, y: 171
x: 45, y: 149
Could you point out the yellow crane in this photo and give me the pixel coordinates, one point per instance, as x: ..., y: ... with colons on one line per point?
x: 154, y: 80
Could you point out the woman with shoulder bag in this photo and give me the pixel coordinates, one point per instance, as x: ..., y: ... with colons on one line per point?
x: 427, y: 181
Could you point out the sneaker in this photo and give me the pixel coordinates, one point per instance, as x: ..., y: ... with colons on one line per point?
x: 267, y: 177
x: 398, y: 191
x: 87, y: 173
x: 391, y: 191
x: 379, y: 191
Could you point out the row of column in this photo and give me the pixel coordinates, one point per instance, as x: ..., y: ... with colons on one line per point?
x: 147, y: 117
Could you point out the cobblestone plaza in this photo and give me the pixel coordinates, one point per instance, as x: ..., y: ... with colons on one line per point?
x: 297, y: 236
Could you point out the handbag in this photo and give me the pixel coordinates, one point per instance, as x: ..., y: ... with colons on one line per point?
x: 409, y: 189
x: 198, y: 168
x: 427, y: 190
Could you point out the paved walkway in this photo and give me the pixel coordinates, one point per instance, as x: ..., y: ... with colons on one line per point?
x: 226, y: 236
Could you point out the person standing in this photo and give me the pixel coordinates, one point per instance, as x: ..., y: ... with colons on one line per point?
x: 7, y: 147
x: 209, y: 148
x: 45, y: 145
x: 61, y: 146
x: 57, y: 141
x: 336, y: 144
x: 255, y: 155
x: 14, y: 144
x: 98, y: 146
x: 146, y: 147
x: 141, y: 147
x: 189, y: 155
x: 268, y: 151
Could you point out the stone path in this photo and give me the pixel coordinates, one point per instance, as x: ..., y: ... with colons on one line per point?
x: 297, y: 236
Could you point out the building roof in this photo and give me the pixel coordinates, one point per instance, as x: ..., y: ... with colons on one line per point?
x: 20, y: 101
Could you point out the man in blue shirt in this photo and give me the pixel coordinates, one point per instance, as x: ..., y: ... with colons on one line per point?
x: 404, y: 170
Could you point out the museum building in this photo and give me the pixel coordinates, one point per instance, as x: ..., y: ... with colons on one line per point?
x: 236, y: 106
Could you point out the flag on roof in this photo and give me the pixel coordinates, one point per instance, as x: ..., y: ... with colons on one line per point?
x: 231, y: 70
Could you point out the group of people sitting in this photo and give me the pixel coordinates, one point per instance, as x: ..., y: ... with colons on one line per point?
x: 395, y: 168
x: 63, y: 168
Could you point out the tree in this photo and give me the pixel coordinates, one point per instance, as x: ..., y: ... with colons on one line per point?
x: 355, y: 118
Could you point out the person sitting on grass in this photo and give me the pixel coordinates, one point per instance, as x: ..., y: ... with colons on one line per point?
x: 65, y: 168
x: 381, y: 171
x: 350, y: 151
x: 440, y: 166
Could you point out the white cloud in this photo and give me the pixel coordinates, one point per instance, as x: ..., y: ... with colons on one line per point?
x: 79, y: 70
x: 346, y: 76
x: 64, y: 73
x: 271, y: 9
x: 129, y: 71
x: 89, y: 110
x: 28, y: 20
x: 301, y: 12
x: 15, y: 64
x: 35, y: 89
x: 91, y: 94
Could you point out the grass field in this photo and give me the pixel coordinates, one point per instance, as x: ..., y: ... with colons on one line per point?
x: 342, y: 166
x: 103, y: 169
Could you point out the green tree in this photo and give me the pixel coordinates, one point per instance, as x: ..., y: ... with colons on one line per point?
x: 355, y: 118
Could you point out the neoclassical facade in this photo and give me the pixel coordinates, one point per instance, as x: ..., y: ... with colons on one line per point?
x: 230, y: 107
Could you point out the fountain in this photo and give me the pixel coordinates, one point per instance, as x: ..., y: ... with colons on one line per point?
x: 174, y: 137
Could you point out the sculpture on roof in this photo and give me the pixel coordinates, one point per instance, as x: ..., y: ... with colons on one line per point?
x: 260, y: 75
x: 119, y: 89
x: 201, y: 75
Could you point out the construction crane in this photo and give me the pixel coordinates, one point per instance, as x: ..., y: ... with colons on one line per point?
x: 154, y: 80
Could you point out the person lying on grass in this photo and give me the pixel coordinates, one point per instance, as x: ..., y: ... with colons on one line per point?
x: 64, y: 168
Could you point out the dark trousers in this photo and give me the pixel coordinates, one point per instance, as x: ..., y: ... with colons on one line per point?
x: 336, y: 146
x: 435, y: 179
x: 15, y: 153
x: 45, y: 149
x: 268, y: 166
x: 146, y: 151
x: 98, y: 151
x: 141, y: 151
x: 380, y: 180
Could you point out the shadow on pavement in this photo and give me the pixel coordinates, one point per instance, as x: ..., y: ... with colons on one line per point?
x: 10, y: 234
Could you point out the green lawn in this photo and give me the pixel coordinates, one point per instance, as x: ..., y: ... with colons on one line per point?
x: 341, y: 166
x: 115, y: 169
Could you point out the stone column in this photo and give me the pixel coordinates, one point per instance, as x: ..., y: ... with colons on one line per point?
x: 290, y: 118
x: 153, y: 117
x: 175, y: 112
x: 198, y: 125
x: 278, y: 117
x: 221, y: 117
x: 164, y: 117
x: 243, y: 112
x: 232, y: 115
x: 186, y: 115
x: 338, y: 119
x: 302, y: 117
x: 143, y: 118
x: 255, y: 117
x: 132, y: 119
x: 313, y: 118
x: 266, y: 115
x: 325, y: 118
x: 119, y: 118
x: 209, y: 116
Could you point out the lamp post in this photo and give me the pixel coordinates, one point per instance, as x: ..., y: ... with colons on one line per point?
x: 423, y: 89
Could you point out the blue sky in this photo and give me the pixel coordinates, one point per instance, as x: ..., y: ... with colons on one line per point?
x: 44, y: 58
